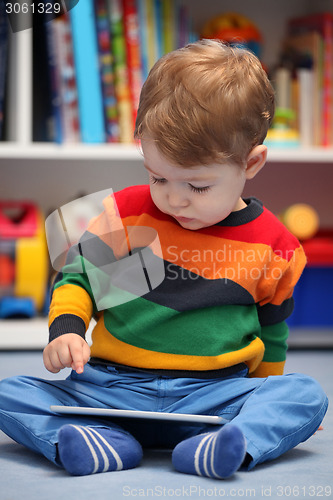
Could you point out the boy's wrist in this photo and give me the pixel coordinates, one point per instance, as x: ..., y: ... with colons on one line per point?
x: 67, y: 323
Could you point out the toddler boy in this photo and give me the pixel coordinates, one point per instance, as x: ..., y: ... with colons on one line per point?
x: 210, y: 337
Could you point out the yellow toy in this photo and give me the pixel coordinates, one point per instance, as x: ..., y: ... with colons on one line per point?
x: 235, y: 29
x: 302, y: 220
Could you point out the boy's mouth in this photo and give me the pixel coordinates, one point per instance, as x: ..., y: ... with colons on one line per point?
x: 183, y: 219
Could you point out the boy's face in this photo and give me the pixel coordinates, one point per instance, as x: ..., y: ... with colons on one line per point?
x: 196, y: 197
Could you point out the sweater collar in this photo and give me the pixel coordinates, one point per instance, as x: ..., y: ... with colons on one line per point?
x: 247, y: 214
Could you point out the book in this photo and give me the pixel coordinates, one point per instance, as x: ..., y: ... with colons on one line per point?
x: 122, y: 87
x: 106, y: 71
x: 19, y: 95
x: 86, y: 60
x: 54, y: 78
x: 158, y: 31
x: 3, y: 61
x: 142, y: 16
x: 43, y: 116
x: 169, y: 35
x: 321, y: 23
x: 133, y: 53
x: 66, y: 79
x: 150, y: 23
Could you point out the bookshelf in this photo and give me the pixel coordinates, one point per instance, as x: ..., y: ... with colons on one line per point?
x: 52, y: 174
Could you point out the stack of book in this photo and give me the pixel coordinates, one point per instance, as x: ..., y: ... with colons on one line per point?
x: 304, y: 79
x: 90, y: 63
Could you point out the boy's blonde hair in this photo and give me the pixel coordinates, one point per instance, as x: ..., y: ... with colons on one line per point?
x: 206, y: 103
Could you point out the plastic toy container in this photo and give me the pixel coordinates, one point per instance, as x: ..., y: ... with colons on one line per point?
x: 314, y: 292
x: 23, y: 259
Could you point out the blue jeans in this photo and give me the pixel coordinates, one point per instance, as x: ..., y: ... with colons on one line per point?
x: 275, y: 414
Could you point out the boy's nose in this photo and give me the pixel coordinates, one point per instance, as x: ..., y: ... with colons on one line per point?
x: 177, y: 198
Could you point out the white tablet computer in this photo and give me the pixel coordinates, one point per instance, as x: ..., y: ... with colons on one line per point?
x: 154, y: 415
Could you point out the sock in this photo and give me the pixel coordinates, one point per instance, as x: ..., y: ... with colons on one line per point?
x: 216, y: 454
x: 89, y: 450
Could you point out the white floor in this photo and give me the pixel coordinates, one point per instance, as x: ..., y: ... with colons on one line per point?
x: 305, y: 472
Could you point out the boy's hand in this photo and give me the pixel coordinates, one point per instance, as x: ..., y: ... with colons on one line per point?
x: 68, y: 351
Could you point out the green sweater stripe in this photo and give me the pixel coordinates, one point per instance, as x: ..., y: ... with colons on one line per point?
x: 275, y: 339
x: 209, y: 332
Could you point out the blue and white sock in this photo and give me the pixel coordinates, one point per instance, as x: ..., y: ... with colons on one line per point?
x: 216, y: 454
x: 89, y: 450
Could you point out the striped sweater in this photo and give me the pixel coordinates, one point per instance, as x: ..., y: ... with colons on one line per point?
x: 168, y: 298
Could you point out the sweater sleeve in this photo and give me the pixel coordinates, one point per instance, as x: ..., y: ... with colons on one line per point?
x: 72, y: 301
x: 272, y: 314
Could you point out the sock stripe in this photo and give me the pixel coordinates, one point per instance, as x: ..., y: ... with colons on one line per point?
x: 115, y: 455
x: 100, y: 447
x: 197, y: 454
x: 207, y: 454
x: 212, y: 456
x: 91, y: 448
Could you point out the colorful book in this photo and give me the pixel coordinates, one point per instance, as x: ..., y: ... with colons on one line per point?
x: 151, y: 33
x: 158, y: 31
x: 133, y: 53
x: 323, y: 24
x: 3, y: 61
x: 87, y: 72
x: 106, y: 71
x: 142, y: 16
x: 122, y: 87
x: 169, y: 35
x: 66, y: 79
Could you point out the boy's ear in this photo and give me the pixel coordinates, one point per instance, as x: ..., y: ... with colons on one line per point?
x: 255, y: 161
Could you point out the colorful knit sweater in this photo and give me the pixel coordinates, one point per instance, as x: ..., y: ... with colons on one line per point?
x: 168, y: 298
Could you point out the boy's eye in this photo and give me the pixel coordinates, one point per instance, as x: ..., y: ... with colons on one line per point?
x: 203, y: 189
x: 156, y: 180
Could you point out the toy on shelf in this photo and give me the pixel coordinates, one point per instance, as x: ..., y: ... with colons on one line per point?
x: 23, y: 259
x: 234, y: 29
x: 302, y: 220
x: 282, y: 133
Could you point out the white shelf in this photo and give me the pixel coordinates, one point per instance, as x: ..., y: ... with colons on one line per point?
x: 128, y: 152
x: 49, y: 151
x: 297, y: 155
x: 21, y: 334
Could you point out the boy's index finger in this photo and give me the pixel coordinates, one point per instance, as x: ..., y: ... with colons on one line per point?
x: 77, y: 359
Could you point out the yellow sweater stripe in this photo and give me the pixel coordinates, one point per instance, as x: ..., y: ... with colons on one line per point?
x: 104, y: 344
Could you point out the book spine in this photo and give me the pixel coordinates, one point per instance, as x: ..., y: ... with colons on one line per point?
x: 106, y: 72
x: 131, y: 28
x: 87, y: 72
x: 70, y: 87
x: 3, y: 61
x: 151, y: 33
x: 53, y: 65
x: 142, y: 15
x: 121, y: 71
x: 168, y: 26
x: 158, y: 25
